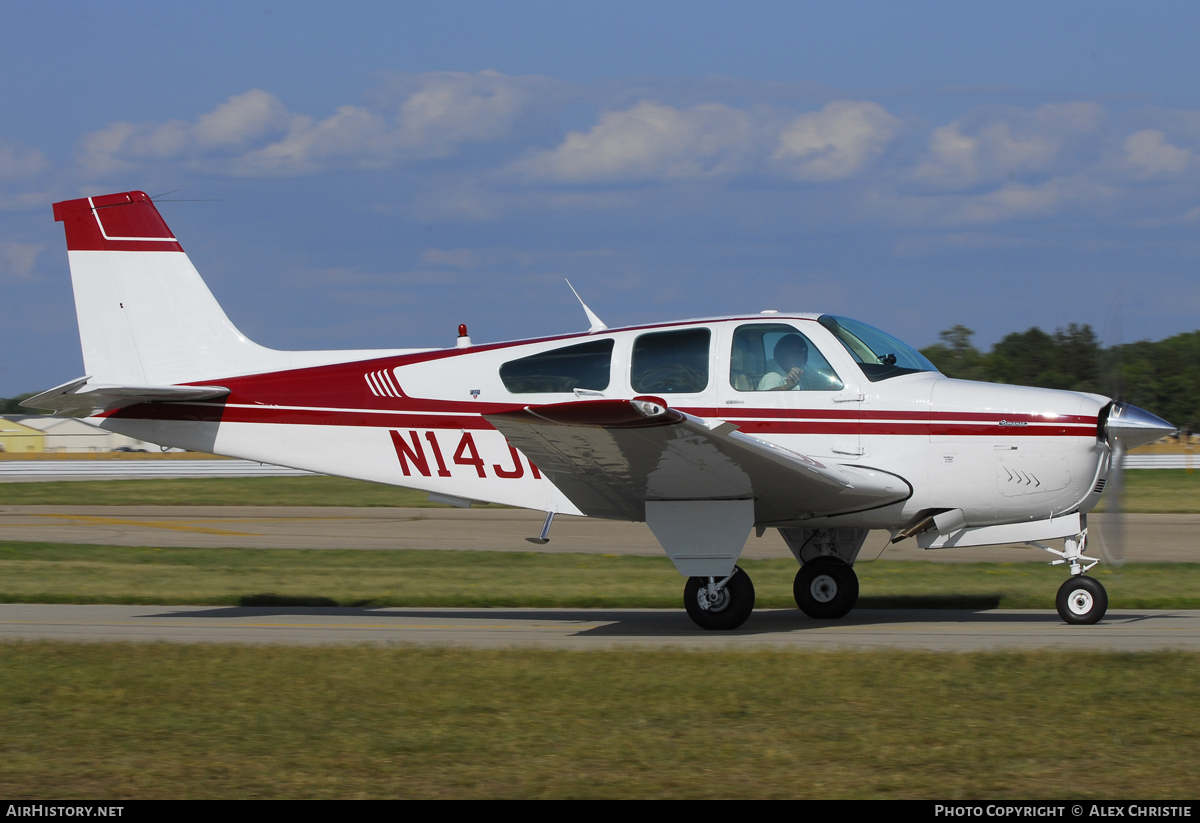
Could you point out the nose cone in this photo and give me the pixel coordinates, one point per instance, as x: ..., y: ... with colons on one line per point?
x: 1134, y: 427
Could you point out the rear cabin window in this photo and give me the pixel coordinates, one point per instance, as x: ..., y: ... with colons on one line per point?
x: 671, y: 362
x: 585, y: 366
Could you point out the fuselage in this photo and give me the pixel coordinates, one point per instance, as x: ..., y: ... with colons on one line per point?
x: 1000, y: 454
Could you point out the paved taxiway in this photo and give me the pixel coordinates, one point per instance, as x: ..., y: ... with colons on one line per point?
x: 1156, y: 538
x: 1152, y: 537
x: 932, y: 630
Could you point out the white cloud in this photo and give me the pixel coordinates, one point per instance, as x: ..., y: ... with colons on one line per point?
x: 1014, y: 142
x: 254, y: 134
x: 836, y: 142
x: 241, y: 119
x: 233, y: 125
x: 989, y: 165
x: 659, y: 142
x: 452, y: 109
x: 17, y: 260
x: 353, y: 136
x: 1149, y: 155
x: 650, y: 141
x: 1012, y: 201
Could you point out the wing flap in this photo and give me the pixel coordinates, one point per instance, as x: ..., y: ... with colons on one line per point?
x: 610, y: 457
x: 78, y: 398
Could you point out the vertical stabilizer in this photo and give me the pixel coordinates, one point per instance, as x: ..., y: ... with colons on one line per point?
x: 145, y: 315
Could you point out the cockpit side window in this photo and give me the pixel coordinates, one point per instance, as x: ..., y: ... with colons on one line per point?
x: 671, y: 362
x: 877, y: 353
x: 585, y: 366
x: 776, y: 357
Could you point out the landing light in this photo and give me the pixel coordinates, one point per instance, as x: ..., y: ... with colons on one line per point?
x: 649, y: 407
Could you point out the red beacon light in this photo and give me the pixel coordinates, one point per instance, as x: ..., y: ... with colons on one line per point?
x: 464, y: 340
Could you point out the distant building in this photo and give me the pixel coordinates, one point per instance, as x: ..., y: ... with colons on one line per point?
x: 18, y: 438
x: 45, y: 433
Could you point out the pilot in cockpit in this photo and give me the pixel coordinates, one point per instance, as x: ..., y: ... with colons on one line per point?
x: 791, y: 358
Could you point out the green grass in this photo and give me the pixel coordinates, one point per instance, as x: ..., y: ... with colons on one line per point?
x: 63, y: 573
x: 1157, y: 491
x: 1162, y: 491
x: 124, y: 721
x: 213, y: 491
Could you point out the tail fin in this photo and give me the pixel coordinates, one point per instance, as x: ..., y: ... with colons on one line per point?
x: 145, y: 315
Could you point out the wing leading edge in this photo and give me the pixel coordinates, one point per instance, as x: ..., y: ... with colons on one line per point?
x: 610, y: 457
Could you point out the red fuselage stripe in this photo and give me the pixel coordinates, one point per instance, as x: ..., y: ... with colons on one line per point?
x: 848, y: 423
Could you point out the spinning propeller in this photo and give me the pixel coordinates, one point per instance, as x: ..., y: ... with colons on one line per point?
x: 1124, y: 427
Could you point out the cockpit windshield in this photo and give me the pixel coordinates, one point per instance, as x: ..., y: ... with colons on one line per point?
x: 878, y: 354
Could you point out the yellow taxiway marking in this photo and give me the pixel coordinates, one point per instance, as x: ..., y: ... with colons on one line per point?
x: 151, y: 524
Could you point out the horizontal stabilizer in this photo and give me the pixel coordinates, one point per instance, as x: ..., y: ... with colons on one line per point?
x: 610, y: 457
x: 81, y: 399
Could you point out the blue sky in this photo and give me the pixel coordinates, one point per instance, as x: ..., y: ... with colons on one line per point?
x: 374, y: 175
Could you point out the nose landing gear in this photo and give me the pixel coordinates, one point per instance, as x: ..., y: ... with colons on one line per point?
x: 1082, y: 600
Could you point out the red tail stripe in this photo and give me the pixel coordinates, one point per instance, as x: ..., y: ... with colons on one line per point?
x: 115, y: 222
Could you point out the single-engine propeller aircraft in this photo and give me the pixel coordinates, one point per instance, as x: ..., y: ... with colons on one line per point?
x: 819, y: 426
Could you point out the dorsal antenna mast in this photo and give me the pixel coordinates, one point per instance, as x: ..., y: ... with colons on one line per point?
x: 596, y: 323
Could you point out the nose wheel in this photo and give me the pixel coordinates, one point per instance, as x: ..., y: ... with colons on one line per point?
x: 1081, y: 600
x: 719, y: 604
x: 826, y: 588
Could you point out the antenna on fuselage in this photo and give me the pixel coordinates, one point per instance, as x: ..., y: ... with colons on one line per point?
x: 597, y: 323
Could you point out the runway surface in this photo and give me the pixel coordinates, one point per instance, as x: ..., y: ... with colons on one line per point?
x: 583, y: 629
x: 1152, y: 537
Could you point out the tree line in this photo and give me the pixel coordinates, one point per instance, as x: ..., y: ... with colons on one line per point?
x: 12, y: 405
x: 1162, y: 377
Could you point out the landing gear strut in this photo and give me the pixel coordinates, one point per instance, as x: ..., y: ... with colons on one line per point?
x: 719, y: 604
x: 826, y: 588
x: 1082, y: 600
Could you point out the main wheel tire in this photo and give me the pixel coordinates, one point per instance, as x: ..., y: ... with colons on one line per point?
x: 731, y: 609
x: 826, y: 588
x: 1081, y: 601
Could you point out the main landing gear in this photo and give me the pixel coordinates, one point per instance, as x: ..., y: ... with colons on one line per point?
x: 826, y: 588
x: 719, y: 604
x: 1082, y: 600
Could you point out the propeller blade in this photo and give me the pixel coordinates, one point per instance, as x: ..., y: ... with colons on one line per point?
x: 1126, y: 427
x: 1112, y: 535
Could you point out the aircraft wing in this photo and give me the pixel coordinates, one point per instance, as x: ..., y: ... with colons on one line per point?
x: 78, y: 398
x: 611, y: 456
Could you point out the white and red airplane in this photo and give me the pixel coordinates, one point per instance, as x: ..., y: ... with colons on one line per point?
x: 819, y: 426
